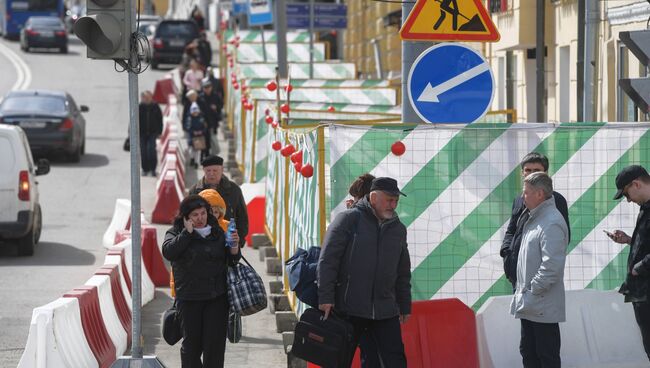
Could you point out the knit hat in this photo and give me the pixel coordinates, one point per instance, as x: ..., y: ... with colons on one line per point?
x: 213, y: 197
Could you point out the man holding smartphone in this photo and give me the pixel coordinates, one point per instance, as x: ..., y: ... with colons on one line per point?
x: 633, y: 183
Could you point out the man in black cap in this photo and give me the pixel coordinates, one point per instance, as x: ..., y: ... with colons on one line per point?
x: 364, y: 271
x: 633, y: 183
x: 213, y: 178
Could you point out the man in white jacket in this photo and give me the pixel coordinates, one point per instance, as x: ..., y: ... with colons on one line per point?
x: 539, y: 296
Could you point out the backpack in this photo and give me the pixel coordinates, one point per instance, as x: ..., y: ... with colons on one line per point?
x: 301, y: 270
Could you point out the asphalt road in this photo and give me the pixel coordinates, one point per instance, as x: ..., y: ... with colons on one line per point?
x: 77, y: 199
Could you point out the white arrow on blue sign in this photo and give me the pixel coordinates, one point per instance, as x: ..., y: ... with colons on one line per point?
x: 450, y: 83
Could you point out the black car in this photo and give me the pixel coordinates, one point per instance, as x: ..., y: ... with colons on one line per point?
x: 47, y: 32
x: 51, y: 119
x: 170, y: 40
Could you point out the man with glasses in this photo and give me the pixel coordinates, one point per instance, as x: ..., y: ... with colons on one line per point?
x: 633, y: 183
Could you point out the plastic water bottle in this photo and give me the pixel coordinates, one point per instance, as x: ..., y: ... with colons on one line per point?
x: 230, y: 242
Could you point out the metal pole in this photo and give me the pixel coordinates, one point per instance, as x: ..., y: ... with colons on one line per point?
x: 263, y: 43
x: 580, y: 65
x: 410, y: 52
x: 378, y: 67
x: 591, y: 28
x: 136, y: 343
x: 311, y: 39
x: 281, y: 34
x: 339, y: 40
x: 539, y: 58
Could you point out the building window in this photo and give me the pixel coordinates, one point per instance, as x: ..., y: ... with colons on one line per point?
x: 497, y: 6
x: 625, y: 108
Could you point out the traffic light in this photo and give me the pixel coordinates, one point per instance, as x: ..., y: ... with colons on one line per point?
x: 106, y: 30
x: 637, y: 88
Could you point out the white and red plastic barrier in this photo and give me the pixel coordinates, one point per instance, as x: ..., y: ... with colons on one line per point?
x: 254, y: 196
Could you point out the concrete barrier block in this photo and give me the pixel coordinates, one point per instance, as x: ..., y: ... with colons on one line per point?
x: 273, y: 266
x: 266, y: 252
x: 260, y: 240
x: 285, y: 321
x: 276, y: 287
x: 278, y: 303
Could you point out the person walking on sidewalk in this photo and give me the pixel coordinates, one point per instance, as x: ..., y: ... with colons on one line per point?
x: 197, y: 134
x: 231, y: 193
x: 205, y: 50
x: 211, y: 106
x: 539, y: 300
x: 633, y: 183
x: 364, y: 271
x: 196, y: 247
x: 151, y: 126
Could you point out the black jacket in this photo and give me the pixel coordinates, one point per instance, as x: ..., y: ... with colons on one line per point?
x: 199, y: 264
x: 236, y: 206
x: 636, y: 288
x: 206, y: 101
x: 364, y: 268
x: 512, y: 240
x: 151, y: 121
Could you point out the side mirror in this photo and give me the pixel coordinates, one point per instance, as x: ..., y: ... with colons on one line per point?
x: 42, y: 167
x: 84, y: 108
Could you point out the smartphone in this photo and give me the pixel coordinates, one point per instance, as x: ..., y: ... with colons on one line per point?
x: 608, y: 234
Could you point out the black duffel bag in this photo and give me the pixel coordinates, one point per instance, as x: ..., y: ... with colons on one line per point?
x: 325, y: 342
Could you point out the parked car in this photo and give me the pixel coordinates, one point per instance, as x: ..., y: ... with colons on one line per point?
x: 170, y: 39
x: 47, y: 32
x: 51, y: 119
x: 20, y: 211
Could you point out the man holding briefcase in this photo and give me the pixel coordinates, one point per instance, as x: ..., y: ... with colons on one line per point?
x: 364, y: 272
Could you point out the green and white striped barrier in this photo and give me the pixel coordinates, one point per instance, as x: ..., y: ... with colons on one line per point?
x: 323, y: 83
x: 296, y: 53
x: 269, y: 36
x: 357, y: 96
x: 329, y: 70
x: 257, y: 149
x: 461, y: 181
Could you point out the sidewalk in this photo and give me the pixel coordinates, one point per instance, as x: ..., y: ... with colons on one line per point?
x: 260, y: 346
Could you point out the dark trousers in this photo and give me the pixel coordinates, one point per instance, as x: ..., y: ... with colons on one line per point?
x: 642, y: 314
x: 148, y: 153
x: 384, y: 340
x: 204, y: 325
x: 540, y: 344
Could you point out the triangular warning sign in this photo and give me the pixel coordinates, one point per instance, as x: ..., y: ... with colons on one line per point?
x: 449, y: 20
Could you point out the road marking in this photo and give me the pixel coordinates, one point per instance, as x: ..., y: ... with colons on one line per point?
x: 430, y: 94
x: 23, y: 74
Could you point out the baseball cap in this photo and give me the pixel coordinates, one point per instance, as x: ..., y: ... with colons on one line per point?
x: 388, y: 185
x: 626, y: 176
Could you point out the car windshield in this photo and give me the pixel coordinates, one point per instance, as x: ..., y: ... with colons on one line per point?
x: 34, y: 104
x: 45, y: 22
x: 184, y: 30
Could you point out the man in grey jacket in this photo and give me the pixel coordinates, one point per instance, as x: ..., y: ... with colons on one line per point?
x: 364, y: 271
x: 539, y: 295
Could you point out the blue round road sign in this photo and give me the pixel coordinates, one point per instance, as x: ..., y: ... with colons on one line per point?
x: 450, y: 83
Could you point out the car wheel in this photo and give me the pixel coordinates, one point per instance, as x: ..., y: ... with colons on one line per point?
x: 83, y: 147
x: 154, y: 65
x: 26, y: 244
x: 38, y: 223
x: 64, y: 49
x: 76, y: 155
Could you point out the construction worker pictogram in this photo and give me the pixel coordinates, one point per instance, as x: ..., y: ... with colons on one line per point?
x: 449, y: 20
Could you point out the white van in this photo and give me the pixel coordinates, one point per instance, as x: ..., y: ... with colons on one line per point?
x: 20, y: 211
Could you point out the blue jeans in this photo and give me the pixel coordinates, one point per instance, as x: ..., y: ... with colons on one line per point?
x: 148, y: 153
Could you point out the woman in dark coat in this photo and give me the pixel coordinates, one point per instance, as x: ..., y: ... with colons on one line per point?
x: 196, y: 247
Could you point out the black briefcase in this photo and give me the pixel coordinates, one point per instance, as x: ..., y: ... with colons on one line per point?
x: 327, y: 343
